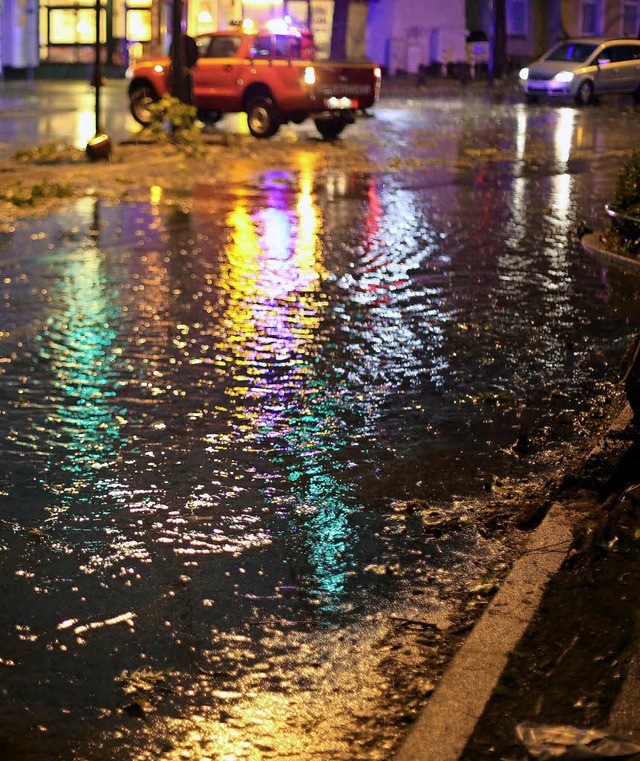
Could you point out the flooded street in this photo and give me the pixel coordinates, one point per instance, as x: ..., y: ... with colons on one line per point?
x: 249, y: 435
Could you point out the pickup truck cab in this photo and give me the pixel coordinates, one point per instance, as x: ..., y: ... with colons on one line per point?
x: 272, y: 76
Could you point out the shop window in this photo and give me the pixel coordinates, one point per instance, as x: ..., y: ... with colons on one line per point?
x: 591, y: 18
x: 517, y: 21
x: 74, y: 26
x: 138, y: 25
x: 63, y: 27
x: 631, y: 18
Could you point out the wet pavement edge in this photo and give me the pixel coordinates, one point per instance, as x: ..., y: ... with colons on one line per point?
x: 592, y: 245
x: 448, y: 720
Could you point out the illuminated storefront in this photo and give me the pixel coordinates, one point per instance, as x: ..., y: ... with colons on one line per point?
x: 61, y: 33
x: 129, y: 28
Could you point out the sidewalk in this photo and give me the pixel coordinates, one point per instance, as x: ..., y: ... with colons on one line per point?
x: 592, y: 244
x: 412, y: 86
x: 558, y: 645
x: 578, y: 660
x: 557, y: 651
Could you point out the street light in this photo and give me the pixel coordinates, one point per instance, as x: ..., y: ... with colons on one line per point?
x: 99, y: 147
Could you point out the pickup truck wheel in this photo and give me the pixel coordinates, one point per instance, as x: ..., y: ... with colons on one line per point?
x: 140, y: 99
x: 330, y: 128
x: 262, y: 117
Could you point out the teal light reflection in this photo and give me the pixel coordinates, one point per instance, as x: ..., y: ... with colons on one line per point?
x: 84, y: 422
x: 328, y: 536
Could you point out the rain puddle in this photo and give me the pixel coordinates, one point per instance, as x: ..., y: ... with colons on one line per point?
x: 246, y: 439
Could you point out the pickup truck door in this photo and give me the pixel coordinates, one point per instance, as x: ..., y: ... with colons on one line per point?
x: 215, y: 77
x: 287, y: 54
x: 276, y: 60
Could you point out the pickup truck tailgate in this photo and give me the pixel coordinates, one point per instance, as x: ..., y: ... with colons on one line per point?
x: 354, y: 81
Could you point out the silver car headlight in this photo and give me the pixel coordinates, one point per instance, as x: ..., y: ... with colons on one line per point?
x: 524, y: 74
x: 564, y: 76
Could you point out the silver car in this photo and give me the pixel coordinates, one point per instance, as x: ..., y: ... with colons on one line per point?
x: 584, y: 68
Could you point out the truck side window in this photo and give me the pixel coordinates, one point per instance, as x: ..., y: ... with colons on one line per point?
x: 295, y: 48
x: 203, y: 44
x: 261, y: 47
x: 284, y: 47
x: 223, y: 47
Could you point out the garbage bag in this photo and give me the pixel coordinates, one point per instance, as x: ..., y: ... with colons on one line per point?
x: 563, y: 742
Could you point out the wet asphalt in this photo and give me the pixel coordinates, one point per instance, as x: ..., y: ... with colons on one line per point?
x: 249, y: 444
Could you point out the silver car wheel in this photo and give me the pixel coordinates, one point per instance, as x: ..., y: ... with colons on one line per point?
x: 584, y: 96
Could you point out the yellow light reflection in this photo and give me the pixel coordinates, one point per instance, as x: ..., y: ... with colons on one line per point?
x: 77, y: 129
x: 86, y: 127
x: 155, y: 198
x: 563, y: 182
x: 239, y: 277
x: 305, y: 254
x: 563, y: 138
x: 272, y: 270
x: 263, y: 722
x: 521, y: 132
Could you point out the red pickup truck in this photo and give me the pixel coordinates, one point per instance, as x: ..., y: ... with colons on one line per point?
x: 271, y: 76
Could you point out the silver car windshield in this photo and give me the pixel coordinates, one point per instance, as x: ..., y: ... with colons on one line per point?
x: 574, y: 52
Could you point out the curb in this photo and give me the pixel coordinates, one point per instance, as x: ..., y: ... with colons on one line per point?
x: 449, y: 718
x: 591, y: 244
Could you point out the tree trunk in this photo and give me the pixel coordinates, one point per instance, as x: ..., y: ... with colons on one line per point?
x: 339, y: 30
x: 177, y: 53
x: 498, y: 59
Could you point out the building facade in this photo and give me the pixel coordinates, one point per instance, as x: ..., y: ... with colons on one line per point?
x: 401, y: 35
x: 534, y: 25
x: 412, y: 35
x: 405, y: 36
x: 62, y: 33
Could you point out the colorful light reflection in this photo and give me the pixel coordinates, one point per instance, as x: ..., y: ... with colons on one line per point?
x: 273, y: 280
